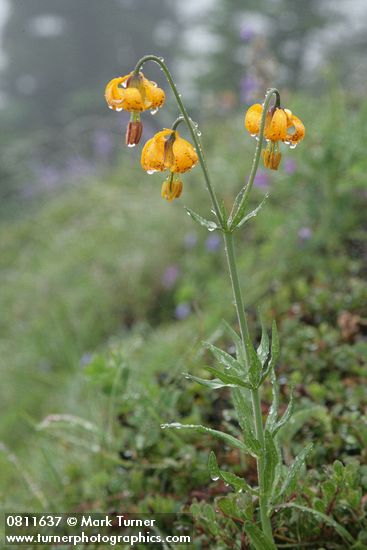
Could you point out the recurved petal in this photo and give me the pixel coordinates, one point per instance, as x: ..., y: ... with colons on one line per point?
x: 152, y: 155
x: 298, y: 130
x: 157, y: 97
x: 253, y: 117
x: 114, y: 93
x: 276, y: 126
x: 185, y: 156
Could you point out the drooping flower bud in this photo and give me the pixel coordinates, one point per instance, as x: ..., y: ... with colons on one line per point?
x: 134, y: 131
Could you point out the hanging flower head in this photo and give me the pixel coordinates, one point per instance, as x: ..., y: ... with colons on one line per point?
x: 168, y: 151
x: 280, y: 125
x: 134, y: 93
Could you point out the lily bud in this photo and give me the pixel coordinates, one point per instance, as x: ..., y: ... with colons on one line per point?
x: 133, y: 133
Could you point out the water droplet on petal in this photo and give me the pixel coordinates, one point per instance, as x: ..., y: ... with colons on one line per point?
x: 253, y: 135
x: 293, y: 146
x: 154, y: 111
x: 150, y: 172
x: 131, y: 145
x: 287, y: 142
x: 119, y: 109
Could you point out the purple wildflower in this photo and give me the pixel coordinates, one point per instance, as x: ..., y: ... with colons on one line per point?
x: 262, y: 180
x: 170, y: 276
x: 212, y: 243
x: 190, y: 240
x: 290, y: 166
x: 182, y: 311
x: 249, y: 86
x: 247, y: 33
x: 305, y: 233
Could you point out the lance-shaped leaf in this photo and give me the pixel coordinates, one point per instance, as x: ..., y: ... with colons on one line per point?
x: 236, y: 338
x: 295, y: 469
x: 243, y: 409
x: 273, y: 411
x: 323, y: 518
x: 212, y: 384
x: 236, y: 482
x: 275, y: 352
x: 254, y: 371
x: 247, y: 217
x: 271, y: 460
x: 286, y: 416
x: 223, y: 357
x: 259, y: 540
x: 229, y: 378
x: 264, y: 346
x: 210, y: 225
x: 228, y: 439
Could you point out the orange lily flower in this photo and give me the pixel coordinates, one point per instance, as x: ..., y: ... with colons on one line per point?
x: 168, y: 151
x: 280, y: 125
x: 134, y: 93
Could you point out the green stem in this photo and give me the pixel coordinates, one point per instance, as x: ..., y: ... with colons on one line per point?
x: 191, y: 128
x: 236, y: 212
x: 256, y: 405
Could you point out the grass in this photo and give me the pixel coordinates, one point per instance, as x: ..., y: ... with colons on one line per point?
x: 89, y: 330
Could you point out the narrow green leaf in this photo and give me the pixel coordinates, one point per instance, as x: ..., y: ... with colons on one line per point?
x: 273, y: 411
x: 275, y: 346
x: 229, y: 439
x: 228, y: 506
x: 235, y: 206
x: 236, y: 338
x: 212, y: 384
x: 243, y: 409
x: 258, y: 538
x: 295, y: 469
x: 271, y: 461
x: 286, y: 416
x: 210, y: 225
x: 236, y: 482
x: 248, y: 217
x: 254, y: 371
x: 223, y: 357
x: 213, y: 467
x: 264, y: 347
x: 322, y: 517
x: 228, y: 378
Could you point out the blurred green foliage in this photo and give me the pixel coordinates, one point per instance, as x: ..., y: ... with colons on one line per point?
x: 107, y: 294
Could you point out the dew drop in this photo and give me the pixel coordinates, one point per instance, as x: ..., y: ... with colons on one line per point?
x: 287, y: 142
x: 119, y: 109
x: 130, y: 145
x: 150, y: 172
x: 198, y: 133
x: 253, y: 135
x: 109, y: 107
x: 214, y: 477
x: 161, y: 59
x: 293, y: 146
x: 154, y: 111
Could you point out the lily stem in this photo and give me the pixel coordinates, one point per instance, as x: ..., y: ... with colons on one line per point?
x: 191, y: 128
x: 255, y: 396
x: 244, y: 193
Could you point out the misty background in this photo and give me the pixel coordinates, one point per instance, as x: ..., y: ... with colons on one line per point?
x: 56, y: 57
